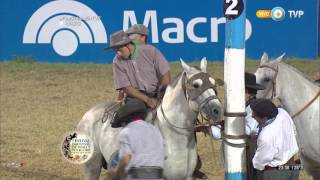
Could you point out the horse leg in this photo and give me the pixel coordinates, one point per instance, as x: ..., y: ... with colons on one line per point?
x: 92, y: 168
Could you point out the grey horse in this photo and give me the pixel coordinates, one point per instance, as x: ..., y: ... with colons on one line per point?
x: 191, y: 93
x: 300, y: 97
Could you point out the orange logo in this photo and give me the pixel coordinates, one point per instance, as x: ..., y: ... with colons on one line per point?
x: 263, y: 14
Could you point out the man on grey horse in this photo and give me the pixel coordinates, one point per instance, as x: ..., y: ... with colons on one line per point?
x: 138, y: 33
x: 139, y: 70
x: 141, y: 154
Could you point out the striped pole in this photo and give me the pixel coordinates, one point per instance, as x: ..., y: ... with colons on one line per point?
x: 234, y: 65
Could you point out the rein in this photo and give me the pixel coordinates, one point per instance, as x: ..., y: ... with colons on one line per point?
x: 171, y: 124
x: 307, y: 105
x: 274, y: 91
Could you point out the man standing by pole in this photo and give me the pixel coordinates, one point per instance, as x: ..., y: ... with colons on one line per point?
x: 234, y: 65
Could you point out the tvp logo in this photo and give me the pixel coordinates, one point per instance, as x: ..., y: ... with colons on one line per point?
x: 278, y: 13
x: 64, y: 24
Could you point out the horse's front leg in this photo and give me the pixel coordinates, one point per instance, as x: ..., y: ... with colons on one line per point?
x: 92, y: 168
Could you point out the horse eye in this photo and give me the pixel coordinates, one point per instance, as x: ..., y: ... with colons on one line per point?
x: 266, y: 79
x: 196, y: 85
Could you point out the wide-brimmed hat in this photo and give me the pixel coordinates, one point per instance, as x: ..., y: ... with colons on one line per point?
x: 118, y: 39
x: 138, y: 29
x: 250, y: 82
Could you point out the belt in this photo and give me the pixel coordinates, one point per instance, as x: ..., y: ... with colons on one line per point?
x: 290, y: 162
x: 149, y: 94
x: 145, y: 172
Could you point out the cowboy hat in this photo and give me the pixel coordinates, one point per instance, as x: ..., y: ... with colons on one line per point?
x: 250, y: 82
x: 118, y: 39
x: 138, y: 29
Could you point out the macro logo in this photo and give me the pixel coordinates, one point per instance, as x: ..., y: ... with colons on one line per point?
x: 277, y: 14
x: 64, y: 24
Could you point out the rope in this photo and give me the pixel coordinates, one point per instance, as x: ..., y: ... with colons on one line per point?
x: 307, y: 105
x: 242, y: 145
x: 235, y: 114
x: 244, y: 136
x: 108, y: 109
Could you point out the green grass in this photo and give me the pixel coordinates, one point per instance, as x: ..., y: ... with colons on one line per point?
x: 40, y: 103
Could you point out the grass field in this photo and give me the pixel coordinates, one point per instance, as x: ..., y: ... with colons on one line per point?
x: 41, y: 103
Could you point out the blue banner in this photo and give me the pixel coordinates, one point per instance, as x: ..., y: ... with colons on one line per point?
x: 76, y: 31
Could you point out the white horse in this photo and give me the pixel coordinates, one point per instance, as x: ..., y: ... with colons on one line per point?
x: 191, y: 93
x: 300, y: 97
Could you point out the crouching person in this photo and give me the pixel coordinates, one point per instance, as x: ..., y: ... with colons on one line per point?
x: 141, y: 154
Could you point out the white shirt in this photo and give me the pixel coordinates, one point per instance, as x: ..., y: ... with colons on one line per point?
x: 276, y: 143
x: 250, y: 125
x: 144, y: 142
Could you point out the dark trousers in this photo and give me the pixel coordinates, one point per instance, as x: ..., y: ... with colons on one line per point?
x: 250, y: 151
x: 278, y: 175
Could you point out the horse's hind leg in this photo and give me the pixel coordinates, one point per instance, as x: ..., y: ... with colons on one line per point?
x: 312, y: 168
x: 315, y: 174
x: 92, y: 168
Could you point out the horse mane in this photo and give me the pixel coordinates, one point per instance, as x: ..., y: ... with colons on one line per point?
x: 295, y: 70
x: 176, y: 80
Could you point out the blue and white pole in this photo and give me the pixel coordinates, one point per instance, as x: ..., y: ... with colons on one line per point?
x: 234, y: 65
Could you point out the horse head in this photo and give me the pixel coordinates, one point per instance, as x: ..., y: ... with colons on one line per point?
x: 201, y: 91
x: 266, y: 75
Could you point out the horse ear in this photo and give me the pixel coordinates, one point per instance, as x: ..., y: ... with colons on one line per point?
x: 185, y: 66
x: 219, y: 82
x: 280, y: 57
x: 264, y: 58
x: 203, y: 64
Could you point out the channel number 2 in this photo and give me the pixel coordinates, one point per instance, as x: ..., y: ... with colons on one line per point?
x: 230, y: 10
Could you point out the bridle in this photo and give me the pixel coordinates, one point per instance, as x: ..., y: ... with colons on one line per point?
x: 274, y: 91
x: 193, y: 93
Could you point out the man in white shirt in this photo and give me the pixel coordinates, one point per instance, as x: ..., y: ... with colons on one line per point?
x: 142, y: 153
x: 276, y: 143
x: 251, y: 88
